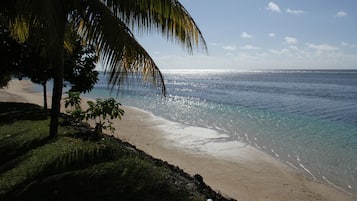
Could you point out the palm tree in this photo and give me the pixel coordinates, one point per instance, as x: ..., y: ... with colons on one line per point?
x: 109, y: 26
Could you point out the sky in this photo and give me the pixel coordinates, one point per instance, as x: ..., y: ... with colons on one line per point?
x: 259, y: 34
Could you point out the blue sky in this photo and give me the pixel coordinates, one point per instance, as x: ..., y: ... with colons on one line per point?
x: 258, y: 34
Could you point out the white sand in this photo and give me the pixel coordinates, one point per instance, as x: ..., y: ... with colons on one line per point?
x: 232, y: 168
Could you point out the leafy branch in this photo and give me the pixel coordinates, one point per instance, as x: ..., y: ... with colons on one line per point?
x: 101, y: 111
x: 73, y: 100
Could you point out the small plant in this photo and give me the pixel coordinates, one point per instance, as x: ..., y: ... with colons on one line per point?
x: 74, y: 101
x: 101, y: 111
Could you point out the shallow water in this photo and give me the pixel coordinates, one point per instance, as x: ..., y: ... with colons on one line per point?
x: 306, y: 119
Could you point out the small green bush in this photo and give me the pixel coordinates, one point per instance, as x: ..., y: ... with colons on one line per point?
x: 101, y: 111
x: 73, y: 100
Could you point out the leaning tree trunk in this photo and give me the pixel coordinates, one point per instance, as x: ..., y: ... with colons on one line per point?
x: 44, y: 95
x: 57, y: 81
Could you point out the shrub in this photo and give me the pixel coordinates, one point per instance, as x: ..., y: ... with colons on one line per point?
x: 101, y: 111
x: 74, y: 101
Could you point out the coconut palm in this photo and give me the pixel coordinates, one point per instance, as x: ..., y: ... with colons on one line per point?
x: 109, y: 26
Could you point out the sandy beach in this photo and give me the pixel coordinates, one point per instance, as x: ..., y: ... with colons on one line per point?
x: 234, y: 169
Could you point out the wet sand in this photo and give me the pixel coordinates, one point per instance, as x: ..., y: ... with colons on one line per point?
x: 235, y: 169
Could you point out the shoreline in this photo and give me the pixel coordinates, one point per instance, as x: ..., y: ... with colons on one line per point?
x: 240, y: 177
x: 248, y: 174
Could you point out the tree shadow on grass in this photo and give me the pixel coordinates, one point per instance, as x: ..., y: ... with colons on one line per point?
x: 10, y: 112
x: 11, y: 153
x: 15, y: 145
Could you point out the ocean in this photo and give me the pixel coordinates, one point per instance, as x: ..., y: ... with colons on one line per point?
x: 307, y: 119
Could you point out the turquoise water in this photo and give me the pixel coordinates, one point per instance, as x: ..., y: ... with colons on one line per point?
x: 306, y: 119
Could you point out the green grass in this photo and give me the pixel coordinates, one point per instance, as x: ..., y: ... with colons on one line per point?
x: 71, y: 167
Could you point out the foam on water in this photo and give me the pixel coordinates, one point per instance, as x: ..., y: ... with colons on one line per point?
x: 199, y: 140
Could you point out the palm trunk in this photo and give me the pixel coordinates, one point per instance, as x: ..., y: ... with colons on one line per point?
x: 56, y: 97
x: 57, y: 83
x: 44, y: 95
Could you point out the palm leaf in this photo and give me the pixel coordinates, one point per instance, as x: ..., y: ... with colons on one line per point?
x: 168, y: 17
x: 120, y: 53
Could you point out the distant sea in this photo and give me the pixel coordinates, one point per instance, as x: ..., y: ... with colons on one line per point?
x: 304, y: 118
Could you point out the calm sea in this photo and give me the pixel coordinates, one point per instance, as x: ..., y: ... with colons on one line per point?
x: 306, y: 119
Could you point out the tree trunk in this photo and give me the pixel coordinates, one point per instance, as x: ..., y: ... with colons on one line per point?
x: 58, y: 72
x: 56, y: 99
x: 44, y: 95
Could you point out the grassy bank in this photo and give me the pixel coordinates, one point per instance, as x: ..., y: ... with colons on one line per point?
x: 75, y: 167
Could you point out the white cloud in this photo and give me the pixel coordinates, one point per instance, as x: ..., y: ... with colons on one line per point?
x: 344, y: 44
x: 279, y: 52
x: 229, y: 47
x: 249, y: 47
x: 273, y: 7
x: 322, y: 47
x: 213, y: 44
x: 230, y: 54
x: 272, y: 35
x: 341, y: 14
x: 246, y: 35
x: 290, y: 40
x: 293, y: 47
x: 295, y: 12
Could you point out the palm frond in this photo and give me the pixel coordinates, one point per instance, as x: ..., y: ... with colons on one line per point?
x: 24, y: 16
x: 19, y: 28
x: 120, y: 53
x: 168, y: 17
